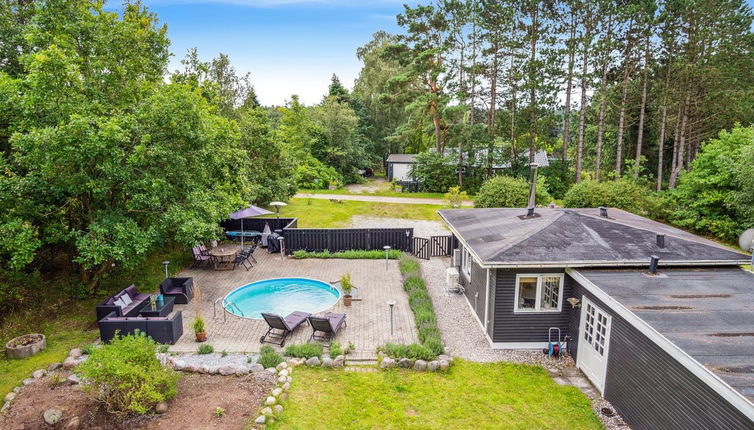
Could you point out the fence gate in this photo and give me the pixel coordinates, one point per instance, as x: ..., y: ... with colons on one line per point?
x: 442, y: 246
x: 421, y: 248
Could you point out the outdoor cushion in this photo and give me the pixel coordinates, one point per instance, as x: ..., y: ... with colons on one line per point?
x: 140, y: 297
x: 131, y: 291
x: 126, y: 299
x: 335, y: 320
x: 119, y: 303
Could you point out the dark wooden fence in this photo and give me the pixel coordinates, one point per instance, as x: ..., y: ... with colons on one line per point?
x: 343, y: 239
x: 250, y: 224
x: 442, y: 246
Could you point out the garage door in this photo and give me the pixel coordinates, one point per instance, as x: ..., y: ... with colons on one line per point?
x: 594, y: 341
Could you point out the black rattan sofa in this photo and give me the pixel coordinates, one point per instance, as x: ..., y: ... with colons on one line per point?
x: 139, y: 300
x: 161, y: 329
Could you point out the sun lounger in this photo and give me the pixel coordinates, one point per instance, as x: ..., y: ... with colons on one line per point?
x: 284, y: 326
x: 327, y: 325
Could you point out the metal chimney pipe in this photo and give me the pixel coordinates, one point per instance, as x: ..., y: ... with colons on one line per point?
x: 661, y: 240
x: 653, y: 261
x: 603, y: 212
x: 532, y: 190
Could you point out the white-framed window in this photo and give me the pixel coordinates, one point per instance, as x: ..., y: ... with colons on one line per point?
x: 466, y: 262
x: 539, y: 292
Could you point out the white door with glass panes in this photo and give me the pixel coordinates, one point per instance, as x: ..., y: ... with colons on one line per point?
x: 594, y: 341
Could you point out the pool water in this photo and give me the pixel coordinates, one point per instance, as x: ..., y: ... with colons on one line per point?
x: 281, y: 296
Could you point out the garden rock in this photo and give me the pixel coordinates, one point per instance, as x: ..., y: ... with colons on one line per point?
x: 52, y: 416
x: 432, y: 366
x: 445, y: 357
x: 387, y: 363
x: 420, y: 365
x: 179, y: 365
x: 339, y: 361
x: 278, y: 409
x: 260, y: 419
x: 405, y: 363
x: 256, y: 368
x: 5, y: 407
x: 327, y: 362
x: 17, y: 390
x: 203, y: 368
x: 313, y: 361
x: 267, y: 411
x: 28, y: 381
x: 282, y: 366
x: 282, y: 379
x: 283, y: 373
x: 74, y: 379
x: 70, y: 363
x: 75, y: 353
x: 271, y: 370
x: 270, y: 401
x: 226, y: 370
x: 72, y: 424
x: 54, y: 366
x: 443, y: 364
x: 277, y: 391
x: 161, y: 408
x: 10, y: 396
x: 289, y: 379
x: 38, y: 373
x: 286, y: 386
x: 242, y: 371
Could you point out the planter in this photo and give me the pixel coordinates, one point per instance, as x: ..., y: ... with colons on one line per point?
x: 201, y: 337
x: 347, y: 299
x: 25, y: 346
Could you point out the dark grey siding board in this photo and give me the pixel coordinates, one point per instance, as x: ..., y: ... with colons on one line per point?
x: 522, y: 327
x: 478, y: 285
x: 491, y: 304
x: 650, y: 388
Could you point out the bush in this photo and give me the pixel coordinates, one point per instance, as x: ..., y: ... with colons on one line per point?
x: 313, y: 174
x: 268, y: 357
x: 351, y: 254
x: 413, y: 351
x: 509, y: 192
x: 305, y: 350
x: 435, y: 171
x: 205, y: 348
x: 622, y: 194
x: 408, y: 264
x: 455, y: 197
x: 335, y: 349
x: 127, y: 377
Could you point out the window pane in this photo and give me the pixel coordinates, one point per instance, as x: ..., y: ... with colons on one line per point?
x: 550, y: 292
x: 527, y: 293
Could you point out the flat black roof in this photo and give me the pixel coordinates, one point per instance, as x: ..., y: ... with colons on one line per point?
x: 560, y: 237
x: 708, y: 313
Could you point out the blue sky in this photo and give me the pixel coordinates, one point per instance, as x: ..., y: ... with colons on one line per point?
x: 288, y: 46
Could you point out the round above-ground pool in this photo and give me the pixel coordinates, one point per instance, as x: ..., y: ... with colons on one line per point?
x: 281, y: 296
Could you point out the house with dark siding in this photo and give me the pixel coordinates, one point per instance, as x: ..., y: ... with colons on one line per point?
x: 660, y: 320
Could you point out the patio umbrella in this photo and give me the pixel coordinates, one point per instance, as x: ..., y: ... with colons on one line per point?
x: 251, y: 211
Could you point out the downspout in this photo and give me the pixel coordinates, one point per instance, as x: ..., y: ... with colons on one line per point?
x: 487, y: 301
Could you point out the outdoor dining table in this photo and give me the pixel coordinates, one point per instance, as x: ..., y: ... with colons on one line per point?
x: 224, y: 255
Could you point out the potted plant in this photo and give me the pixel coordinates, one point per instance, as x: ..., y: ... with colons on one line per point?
x: 346, y: 286
x: 199, y: 330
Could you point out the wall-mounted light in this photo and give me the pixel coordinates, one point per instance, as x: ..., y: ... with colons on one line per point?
x: 575, y: 303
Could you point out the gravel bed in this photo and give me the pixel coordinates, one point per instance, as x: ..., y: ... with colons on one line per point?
x: 215, y: 359
x: 422, y: 228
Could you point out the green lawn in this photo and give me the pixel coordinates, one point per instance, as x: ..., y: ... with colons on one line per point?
x: 320, y: 213
x: 381, y: 192
x: 69, y: 322
x: 469, y: 396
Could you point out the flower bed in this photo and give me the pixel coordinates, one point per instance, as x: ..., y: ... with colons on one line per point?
x: 352, y: 254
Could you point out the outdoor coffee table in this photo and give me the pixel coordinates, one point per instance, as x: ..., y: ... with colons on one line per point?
x: 158, y: 311
x: 224, y: 255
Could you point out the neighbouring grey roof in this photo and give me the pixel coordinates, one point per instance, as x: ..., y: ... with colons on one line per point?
x: 708, y: 313
x: 578, y: 238
x: 540, y: 157
x: 401, y: 158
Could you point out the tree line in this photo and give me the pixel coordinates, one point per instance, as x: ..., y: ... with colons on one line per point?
x: 608, y: 88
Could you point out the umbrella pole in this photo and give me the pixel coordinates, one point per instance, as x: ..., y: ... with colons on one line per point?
x: 242, y: 233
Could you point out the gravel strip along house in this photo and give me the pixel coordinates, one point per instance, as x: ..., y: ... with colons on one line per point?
x: 660, y: 320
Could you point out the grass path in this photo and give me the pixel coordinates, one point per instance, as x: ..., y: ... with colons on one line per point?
x: 469, y: 396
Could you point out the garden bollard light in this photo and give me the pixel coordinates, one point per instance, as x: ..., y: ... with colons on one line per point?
x: 165, y: 263
x: 391, y: 303
x: 387, y: 253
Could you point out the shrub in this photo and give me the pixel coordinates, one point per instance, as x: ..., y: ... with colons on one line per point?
x: 345, y: 283
x: 305, y: 350
x: 509, y: 192
x: 88, y: 349
x: 335, y: 349
x: 198, y: 325
x: 127, y: 377
x: 622, y: 194
x: 313, y: 174
x: 455, y: 197
x: 413, y: 351
x: 268, y: 357
x: 408, y: 264
x: 351, y: 254
x: 205, y: 348
x: 435, y: 171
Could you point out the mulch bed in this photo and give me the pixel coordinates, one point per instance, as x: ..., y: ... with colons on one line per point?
x: 194, y: 407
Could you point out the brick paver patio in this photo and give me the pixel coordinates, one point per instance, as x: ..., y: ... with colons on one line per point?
x: 368, y: 320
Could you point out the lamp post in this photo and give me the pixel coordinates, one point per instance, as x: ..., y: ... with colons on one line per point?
x: 165, y: 263
x: 387, y: 254
x: 391, y: 303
